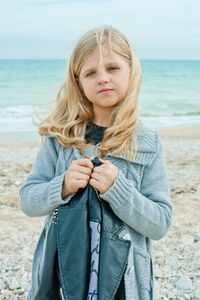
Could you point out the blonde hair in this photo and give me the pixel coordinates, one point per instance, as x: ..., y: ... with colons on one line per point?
x: 73, y: 110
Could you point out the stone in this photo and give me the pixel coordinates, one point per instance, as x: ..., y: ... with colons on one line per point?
x: 160, y: 260
x: 184, y: 283
x: 19, y: 292
x: 6, y: 294
x: 14, y: 284
x: 157, y: 273
x: 197, y: 254
x: 170, y: 295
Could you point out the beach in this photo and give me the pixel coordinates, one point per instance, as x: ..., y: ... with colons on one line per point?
x: 176, y: 256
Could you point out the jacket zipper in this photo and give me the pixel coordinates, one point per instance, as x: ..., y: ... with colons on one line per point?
x: 61, y: 294
x: 97, y: 194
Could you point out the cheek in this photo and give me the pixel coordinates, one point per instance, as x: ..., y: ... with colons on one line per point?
x: 122, y: 80
x: 88, y: 91
x: 123, y: 86
x: 125, y: 82
x: 87, y: 86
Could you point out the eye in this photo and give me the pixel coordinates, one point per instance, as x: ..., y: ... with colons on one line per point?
x: 112, y: 68
x: 90, y: 73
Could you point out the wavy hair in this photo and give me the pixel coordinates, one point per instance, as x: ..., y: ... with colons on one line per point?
x: 73, y: 110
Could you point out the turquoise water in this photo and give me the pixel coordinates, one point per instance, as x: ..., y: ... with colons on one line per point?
x: 29, y: 82
x: 170, y: 89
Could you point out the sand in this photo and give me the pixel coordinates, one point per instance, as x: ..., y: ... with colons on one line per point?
x: 177, y: 255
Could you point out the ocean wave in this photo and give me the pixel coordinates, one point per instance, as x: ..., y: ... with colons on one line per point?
x: 21, y: 118
x: 187, y: 114
x: 26, y: 124
x: 171, y: 121
x: 21, y: 111
x: 24, y: 111
x: 173, y: 114
x: 28, y: 111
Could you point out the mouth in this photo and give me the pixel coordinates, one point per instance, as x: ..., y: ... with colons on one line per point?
x: 105, y: 91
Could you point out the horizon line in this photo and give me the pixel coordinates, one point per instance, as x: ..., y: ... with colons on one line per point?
x: 171, y: 59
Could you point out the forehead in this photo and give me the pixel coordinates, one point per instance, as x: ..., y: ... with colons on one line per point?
x: 108, y: 56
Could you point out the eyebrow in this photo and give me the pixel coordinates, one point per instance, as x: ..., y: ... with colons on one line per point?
x: 88, y: 70
x: 107, y: 64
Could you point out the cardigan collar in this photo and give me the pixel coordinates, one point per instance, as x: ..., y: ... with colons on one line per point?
x: 146, y: 148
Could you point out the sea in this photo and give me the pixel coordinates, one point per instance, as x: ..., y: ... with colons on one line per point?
x: 169, y: 94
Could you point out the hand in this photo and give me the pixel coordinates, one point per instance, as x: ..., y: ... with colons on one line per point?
x: 77, y: 176
x: 103, y: 176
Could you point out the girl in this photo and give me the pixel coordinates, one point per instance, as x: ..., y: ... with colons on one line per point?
x: 96, y: 116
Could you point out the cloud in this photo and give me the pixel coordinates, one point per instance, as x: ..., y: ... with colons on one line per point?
x: 144, y: 22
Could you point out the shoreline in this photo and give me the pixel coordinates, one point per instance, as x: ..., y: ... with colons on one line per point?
x: 19, y: 136
x: 29, y: 136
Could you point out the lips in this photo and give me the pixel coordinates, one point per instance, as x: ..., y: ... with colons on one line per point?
x: 104, y: 91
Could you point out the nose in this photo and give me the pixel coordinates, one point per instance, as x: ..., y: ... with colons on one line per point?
x: 103, y: 77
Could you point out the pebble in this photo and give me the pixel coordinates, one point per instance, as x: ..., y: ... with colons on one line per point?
x: 18, y: 182
x: 184, y: 283
x: 170, y: 295
x: 177, y: 267
x: 19, y: 292
x: 197, y: 294
x: 197, y: 254
x: 158, y: 273
x: 14, y: 284
x: 160, y: 260
x: 173, y: 276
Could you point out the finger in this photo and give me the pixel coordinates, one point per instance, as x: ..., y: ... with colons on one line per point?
x: 96, y: 176
x: 81, y: 176
x: 84, y: 170
x: 98, y: 169
x: 76, y: 184
x: 91, y: 158
x: 94, y: 183
x: 104, y: 161
x: 101, y: 169
x: 82, y: 183
x: 84, y: 162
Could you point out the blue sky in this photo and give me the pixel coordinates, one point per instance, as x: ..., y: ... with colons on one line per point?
x: 158, y: 29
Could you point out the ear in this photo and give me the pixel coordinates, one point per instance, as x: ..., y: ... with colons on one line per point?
x: 76, y: 78
x: 78, y: 83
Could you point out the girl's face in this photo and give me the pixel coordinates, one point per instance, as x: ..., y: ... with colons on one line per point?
x: 104, y: 81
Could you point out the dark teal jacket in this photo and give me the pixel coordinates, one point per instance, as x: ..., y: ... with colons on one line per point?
x: 69, y: 241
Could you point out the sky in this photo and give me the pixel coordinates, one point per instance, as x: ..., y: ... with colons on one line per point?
x: 46, y: 29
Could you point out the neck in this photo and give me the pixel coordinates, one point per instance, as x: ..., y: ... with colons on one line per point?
x: 102, y: 118
x: 102, y: 124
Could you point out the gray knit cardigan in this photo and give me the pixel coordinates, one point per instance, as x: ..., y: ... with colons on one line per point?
x: 139, y: 197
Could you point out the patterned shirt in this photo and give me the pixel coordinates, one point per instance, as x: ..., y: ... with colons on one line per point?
x: 94, y: 134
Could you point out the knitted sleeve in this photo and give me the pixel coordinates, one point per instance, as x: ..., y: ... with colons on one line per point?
x: 148, y: 210
x: 41, y: 193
